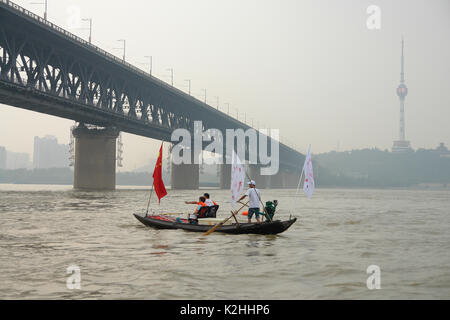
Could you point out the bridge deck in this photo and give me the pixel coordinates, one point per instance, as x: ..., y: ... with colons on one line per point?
x: 47, y: 69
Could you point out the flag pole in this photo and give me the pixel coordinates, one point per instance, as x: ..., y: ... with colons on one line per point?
x: 300, y: 181
x: 150, y: 198
x: 303, y: 171
x: 301, y: 177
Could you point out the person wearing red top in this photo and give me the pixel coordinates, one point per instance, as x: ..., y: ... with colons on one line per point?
x: 201, y: 201
x: 193, y: 217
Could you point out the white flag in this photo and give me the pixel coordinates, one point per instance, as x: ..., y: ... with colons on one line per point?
x: 237, y: 178
x: 308, y: 185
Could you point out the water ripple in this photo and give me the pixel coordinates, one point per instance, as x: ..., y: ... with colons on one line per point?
x: 45, y: 229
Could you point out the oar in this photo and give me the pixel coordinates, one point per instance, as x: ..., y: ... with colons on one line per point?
x: 222, y: 222
x: 171, y: 213
x: 243, y: 203
x: 148, y: 204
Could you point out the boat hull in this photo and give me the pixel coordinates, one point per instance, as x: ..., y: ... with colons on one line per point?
x: 273, y: 227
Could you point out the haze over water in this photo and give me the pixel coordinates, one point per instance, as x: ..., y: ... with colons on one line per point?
x: 45, y: 229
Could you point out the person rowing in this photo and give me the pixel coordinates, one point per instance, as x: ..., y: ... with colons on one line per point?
x: 254, y: 195
x: 207, y: 202
x: 193, y: 217
x: 200, y: 202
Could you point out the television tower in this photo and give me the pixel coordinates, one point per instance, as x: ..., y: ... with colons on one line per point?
x: 402, y: 145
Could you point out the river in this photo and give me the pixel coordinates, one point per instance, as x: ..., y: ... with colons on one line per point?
x: 44, y: 229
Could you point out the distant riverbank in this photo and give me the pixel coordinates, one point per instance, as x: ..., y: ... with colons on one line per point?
x: 374, y: 168
x: 64, y: 176
x: 356, y: 169
x: 52, y: 187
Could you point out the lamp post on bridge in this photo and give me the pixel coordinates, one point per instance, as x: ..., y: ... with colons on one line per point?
x: 90, y: 28
x: 228, y: 108
x: 151, y: 63
x: 205, y: 95
x: 123, y: 48
x: 171, y: 75
x: 217, y: 103
x: 45, y: 8
x: 189, y: 81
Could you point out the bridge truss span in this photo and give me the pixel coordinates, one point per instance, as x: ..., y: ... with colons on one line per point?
x: 46, y: 69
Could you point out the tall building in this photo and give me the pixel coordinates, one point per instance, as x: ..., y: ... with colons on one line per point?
x: 49, y: 154
x: 2, y: 158
x: 402, y: 145
x: 17, y: 160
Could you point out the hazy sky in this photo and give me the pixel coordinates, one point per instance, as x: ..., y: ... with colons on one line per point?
x: 310, y: 68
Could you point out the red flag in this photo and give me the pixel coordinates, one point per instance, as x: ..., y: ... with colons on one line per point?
x: 158, y: 182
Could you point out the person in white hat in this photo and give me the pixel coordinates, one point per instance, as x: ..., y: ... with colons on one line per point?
x: 254, y: 195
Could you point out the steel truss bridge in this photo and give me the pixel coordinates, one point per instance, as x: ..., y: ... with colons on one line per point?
x: 47, y: 69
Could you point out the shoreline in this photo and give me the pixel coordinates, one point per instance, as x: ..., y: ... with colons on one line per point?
x: 148, y: 187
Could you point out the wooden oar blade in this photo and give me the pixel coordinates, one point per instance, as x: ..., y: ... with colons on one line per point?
x: 222, y: 222
x: 213, y: 229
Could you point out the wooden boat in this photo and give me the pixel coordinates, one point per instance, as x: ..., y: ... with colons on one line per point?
x: 166, y: 222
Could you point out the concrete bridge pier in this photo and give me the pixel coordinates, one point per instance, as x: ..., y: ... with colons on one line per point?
x: 255, y: 174
x: 225, y: 176
x: 95, y: 158
x: 184, y: 176
x: 276, y: 181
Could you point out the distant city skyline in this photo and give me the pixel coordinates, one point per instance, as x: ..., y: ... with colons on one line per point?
x: 48, y: 153
x: 18, y: 160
